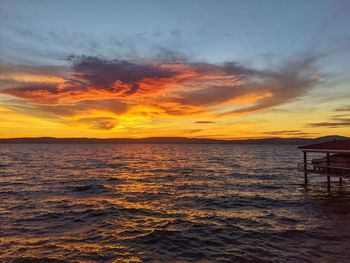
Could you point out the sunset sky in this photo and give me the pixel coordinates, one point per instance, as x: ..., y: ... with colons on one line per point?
x: 214, y: 69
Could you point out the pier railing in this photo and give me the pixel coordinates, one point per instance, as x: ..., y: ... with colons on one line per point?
x: 324, y: 169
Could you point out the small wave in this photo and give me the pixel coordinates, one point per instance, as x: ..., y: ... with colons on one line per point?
x: 37, y: 260
x: 95, y: 189
x: 114, y: 180
x: 108, y: 165
x: 189, y: 203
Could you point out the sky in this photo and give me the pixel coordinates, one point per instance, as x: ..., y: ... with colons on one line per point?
x: 201, y: 69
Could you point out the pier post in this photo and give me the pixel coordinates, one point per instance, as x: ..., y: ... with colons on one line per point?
x: 328, y: 176
x: 328, y: 183
x: 305, y: 168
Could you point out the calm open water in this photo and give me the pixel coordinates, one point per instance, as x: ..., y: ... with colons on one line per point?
x: 167, y: 203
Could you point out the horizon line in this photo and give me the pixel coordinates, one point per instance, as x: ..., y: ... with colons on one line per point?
x: 170, y: 137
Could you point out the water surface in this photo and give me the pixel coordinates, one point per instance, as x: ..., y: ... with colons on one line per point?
x: 167, y: 203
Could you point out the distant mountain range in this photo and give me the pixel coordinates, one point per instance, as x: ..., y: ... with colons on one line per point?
x: 171, y: 140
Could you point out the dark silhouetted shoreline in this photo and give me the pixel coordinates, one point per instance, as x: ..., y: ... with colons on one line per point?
x: 168, y: 140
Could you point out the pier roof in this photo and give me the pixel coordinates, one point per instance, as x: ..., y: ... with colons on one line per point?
x: 338, y: 146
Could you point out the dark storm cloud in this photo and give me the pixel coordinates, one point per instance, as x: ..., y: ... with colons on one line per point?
x: 190, y: 86
x: 103, y: 73
x: 93, y: 75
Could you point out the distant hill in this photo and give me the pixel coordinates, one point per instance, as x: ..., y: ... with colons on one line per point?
x: 171, y: 140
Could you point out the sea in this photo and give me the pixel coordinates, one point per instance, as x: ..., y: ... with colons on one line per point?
x: 167, y: 203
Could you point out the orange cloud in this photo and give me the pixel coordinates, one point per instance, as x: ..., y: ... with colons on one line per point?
x: 31, y: 78
x: 145, y: 90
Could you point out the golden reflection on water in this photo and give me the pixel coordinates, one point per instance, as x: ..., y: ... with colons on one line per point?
x: 134, y: 203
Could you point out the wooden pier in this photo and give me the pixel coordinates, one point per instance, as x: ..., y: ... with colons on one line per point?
x: 336, y: 162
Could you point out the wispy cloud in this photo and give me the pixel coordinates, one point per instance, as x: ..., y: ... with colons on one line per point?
x: 334, y: 122
x: 204, y: 122
x: 285, y: 84
x: 337, y: 120
x: 343, y: 108
x: 98, y: 123
x: 290, y: 133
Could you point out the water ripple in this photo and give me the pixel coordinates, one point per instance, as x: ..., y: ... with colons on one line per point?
x: 167, y: 203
